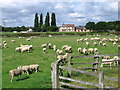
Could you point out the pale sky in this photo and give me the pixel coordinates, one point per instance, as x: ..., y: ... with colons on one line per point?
x: 78, y: 12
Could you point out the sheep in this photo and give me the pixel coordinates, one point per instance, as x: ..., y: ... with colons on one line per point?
x: 44, y: 45
x: 118, y: 46
x: 50, y: 46
x: 54, y: 47
x: 28, y: 39
x: 78, y: 40
x: 84, y: 50
x: 114, y: 44
x: 19, y: 37
x: 15, y: 72
x: 85, y: 39
x: 116, y: 58
x: 4, y: 42
x: 95, y: 50
x: 62, y: 57
x: 91, y: 50
x: 34, y: 67
x: 18, y: 49
x: 25, y: 49
x: 100, y: 43
x: 109, y: 62
x: 25, y: 69
x: 44, y: 50
x: 63, y: 47
x: 5, y: 45
x: 106, y: 57
x: 13, y: 41
x: 80, y: 50
x: 59, y: 52
x: 95, y: 43
x: 68, y: 49
x: 104, y: 44
x: 87, y: 43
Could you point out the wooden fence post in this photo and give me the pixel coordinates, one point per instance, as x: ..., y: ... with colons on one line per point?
x: 96, y: 60
x: 55, y: 75
x: 101, y: 80
x: 69, y: 65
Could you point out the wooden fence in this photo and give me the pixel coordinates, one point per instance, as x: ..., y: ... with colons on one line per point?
x: 57, y: 77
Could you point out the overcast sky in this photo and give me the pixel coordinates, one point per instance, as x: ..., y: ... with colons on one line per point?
x: 19, y: 13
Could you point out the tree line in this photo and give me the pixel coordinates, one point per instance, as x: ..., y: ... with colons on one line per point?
x: 102, y: 26
x: 47, y: 26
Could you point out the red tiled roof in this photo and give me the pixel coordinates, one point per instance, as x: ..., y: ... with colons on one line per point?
x: 67, y: 25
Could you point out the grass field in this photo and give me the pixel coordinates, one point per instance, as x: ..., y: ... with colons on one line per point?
x: 12, y: 59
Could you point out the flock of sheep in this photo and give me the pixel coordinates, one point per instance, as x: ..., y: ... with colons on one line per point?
x: 23, y: 69
x: 60, y: 52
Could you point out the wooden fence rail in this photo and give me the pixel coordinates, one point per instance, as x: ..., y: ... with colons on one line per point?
x: 56, y: 77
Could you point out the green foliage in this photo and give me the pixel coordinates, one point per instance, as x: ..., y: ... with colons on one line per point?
x: 41, y: 19
x: 53, y: 20
x: 36, y: 22
x: 90, y: 25
x: 101, y: 26
x: 47, y: 19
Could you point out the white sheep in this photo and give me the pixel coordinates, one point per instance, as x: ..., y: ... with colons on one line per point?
x: 44, y: 50
x: 59, y: 52
x: 84, y: 50
x: 54, y: 47
x: 50, y: 46
x: 116, y: 58
x: 4, y: 42
x: 91, y: 50
x: 95, y: 43
x: 104, y: 44
x: 114, y: 44
x: 13, y: 41
x: 100, y: 43
x: 34, y: 67
x: 118, y: 46
x: 44, y: 45
x: 87, y: 43
x: 25, y: 69
x: 106, y: 57
x: 68, y: 49
x: 5, y: 45
x: 106, y: 61
x: 63, y: 47
x: 78, y: 40
x: 25, y: 49
x: 15, y: 72
x: 18, y: 49
x: 80, y: 50
x: 62, y: 57
x: 95, y: 49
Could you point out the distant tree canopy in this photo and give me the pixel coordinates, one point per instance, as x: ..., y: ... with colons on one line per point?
x: 103, y: 26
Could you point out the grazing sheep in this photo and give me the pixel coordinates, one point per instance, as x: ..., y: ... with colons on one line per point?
x: 85, y: 39
x: 25, y: 49
x: 114, y: 44
x: 100, y: 43
x: 18, y: 49
x: 118, y: 46
x: 78, y: 40
x: 91, y: 50
x: 84, y: 51
x: 44, y: 50
x: 87, y: 43
x: 54, y: 47
x: 116, y: 58
x: 95, y: 50
x: 68, y: 49
x: 104, y: 44
x: 20, y: 37
x: 63, y: 47
x: 106, y: 57
x: 28, y: 39
x: 44, y: 45
x: 59, y: 52
x: 95, y: 43
x: 110, y: 61
x: 13, y: 41
x: 15, y: 72
x: 80, y: 50
x: 5, y: 45
x: 34, y: 67
x: 50, y: 46
x: 62, y: 57
x: 4, y: 42
x: 25, y: 69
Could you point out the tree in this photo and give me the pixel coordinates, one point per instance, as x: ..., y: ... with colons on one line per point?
x: 90, y: 25
x: 101, y: 26
x: 47, y: 20
x: 36, y: 23
x: 53, y: 20
x: 41, y: 19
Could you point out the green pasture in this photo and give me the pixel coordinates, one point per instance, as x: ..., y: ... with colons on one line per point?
x: 12, y: 59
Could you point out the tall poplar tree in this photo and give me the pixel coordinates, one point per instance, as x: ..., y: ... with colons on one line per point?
x: 47, y: 19
x: 41, y: 19
x: 36, y: 23
x: 53, y: 20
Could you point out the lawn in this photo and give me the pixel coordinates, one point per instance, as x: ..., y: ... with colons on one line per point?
x: 12, y: 59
